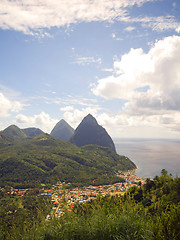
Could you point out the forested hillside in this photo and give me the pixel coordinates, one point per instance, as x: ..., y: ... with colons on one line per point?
x: 45, y: 159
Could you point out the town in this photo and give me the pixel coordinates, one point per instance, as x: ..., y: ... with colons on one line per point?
x: 64, y: 198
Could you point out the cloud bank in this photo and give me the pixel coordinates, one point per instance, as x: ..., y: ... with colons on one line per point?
x: 31, y: 17
x: 147, y: 80
x: 42, y: 121
x: 8, y: 106
x: 150, y: 82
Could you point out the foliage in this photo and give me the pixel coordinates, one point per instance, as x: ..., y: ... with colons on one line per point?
x: 45, y: 159
x: 160, y: 199
x: 19, y: 214
x: 149, y: 211
x: 146, y: 212
x: 13, y: 132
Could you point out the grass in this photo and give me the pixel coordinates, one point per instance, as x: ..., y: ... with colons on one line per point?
x: 116, y: 223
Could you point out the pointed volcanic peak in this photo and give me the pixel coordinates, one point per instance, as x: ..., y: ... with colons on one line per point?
x: 13, y: 132
x: 32, y: 132
x: 62, y: 130
x: 90, y: 132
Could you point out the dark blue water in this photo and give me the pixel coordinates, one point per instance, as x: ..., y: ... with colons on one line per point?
x: 151, y: 156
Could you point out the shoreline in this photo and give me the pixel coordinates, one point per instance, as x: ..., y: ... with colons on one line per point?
x: 130, y: 176
x: 136, y: 169
x: 152, y: 157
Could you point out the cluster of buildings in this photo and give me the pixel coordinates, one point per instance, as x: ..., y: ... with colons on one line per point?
x: 64, y: 198
x: 16, y: 192
x: 130, y: 177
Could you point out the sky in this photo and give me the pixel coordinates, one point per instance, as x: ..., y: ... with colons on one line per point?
x: 116, y: 59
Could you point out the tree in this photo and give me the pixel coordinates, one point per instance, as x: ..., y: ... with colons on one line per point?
x: 164, y: 172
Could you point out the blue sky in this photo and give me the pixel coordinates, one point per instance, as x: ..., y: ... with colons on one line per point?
x: 118, y: 60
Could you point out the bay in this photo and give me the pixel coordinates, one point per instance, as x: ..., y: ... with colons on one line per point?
x: 151, y: 156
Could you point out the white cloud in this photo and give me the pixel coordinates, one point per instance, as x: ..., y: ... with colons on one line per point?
x: 129, y: 29
x: 87, y: 60
x: 66, y: 101
x: 158, y: 23
x: 42, y: 121
x: 113, y: 35
x: 5, y: 106
x: 125, y: 125
x: 158, y: 71
x: 161, y: 23
x: 107, y: 69
x: 31, y: 17
x: 128, y: 76
x: 77, y: 100
x: 122, y: 124
x: 8, y: 106
x: 178, y: 29
x: 67, y: 108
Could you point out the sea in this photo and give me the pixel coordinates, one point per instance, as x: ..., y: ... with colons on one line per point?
x: 151, y: 155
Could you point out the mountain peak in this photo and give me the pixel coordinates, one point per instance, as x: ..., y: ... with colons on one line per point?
x: 62, y: 121
x: 89, y: 116
x: 90, y: 132
x: 89, y: 119
x: 62, y: 130
x: 14, y: 132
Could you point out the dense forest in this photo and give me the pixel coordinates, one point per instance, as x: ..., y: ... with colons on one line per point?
x: 149, y: 211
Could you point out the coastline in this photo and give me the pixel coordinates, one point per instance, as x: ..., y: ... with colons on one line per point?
x: 131, y: 177
x: 137, y: 168
x: 151, y: 156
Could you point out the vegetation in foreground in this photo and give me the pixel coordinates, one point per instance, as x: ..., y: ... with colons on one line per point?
x: 151, y: 211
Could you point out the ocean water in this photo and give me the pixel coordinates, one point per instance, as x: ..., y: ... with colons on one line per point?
x: 151, y: 156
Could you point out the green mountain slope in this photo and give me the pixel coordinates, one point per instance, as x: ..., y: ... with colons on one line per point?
x: 47, y: 160
x: 13, y: 132
x: 32, y: 132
